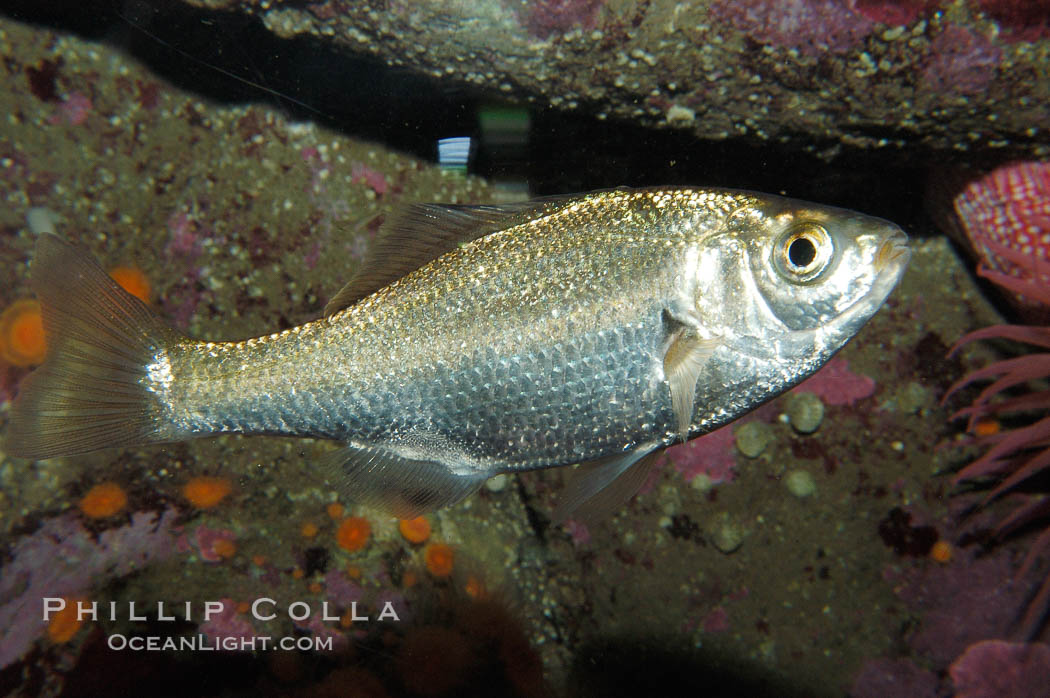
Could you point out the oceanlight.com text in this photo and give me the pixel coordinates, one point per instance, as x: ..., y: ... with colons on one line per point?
x: 203, y: 643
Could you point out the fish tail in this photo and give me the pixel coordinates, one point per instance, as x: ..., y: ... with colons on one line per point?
x: 97, y: 387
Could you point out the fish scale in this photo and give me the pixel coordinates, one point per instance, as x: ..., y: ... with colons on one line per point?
x: 439, y: 337
x: 599, y: 328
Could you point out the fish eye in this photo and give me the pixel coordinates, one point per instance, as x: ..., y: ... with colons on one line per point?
x: 803, y: 252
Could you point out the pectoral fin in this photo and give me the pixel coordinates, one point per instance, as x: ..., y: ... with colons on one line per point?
x: 598, y: 488
x: 685, y: 357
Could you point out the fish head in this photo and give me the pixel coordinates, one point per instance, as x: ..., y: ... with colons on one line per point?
x: 810, y: 276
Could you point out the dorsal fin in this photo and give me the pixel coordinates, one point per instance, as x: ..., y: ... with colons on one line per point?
x: 423, y: 232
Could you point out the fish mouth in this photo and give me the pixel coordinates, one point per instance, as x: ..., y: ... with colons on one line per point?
x: 893, y: 251
x: 890, y: 261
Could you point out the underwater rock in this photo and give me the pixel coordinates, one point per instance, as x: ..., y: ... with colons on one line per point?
x: 887, y: 677
x: 914, y: 397
x: 762, y: 70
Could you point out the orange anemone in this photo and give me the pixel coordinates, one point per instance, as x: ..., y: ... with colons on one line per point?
x: 103, y: 500
x: 353, y: 533
x: 204, y: 491
x: 439, y: 558
x: 224, y: 548
x: 65, y: 623
x: 133, y: 281
x: 942, y: 551
x: 22, y: 341
x: 415, y: 530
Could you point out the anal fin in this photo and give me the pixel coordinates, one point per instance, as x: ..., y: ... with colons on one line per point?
x: 406, y: 487
x: 598, y: 488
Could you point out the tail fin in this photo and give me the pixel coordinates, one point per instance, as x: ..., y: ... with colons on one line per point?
x: 95, y: 389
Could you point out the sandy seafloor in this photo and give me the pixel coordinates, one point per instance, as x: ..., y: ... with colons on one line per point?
x: 246, y: 223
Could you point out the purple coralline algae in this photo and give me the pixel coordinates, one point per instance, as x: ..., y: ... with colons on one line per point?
x: 813, y: 27
x: 970, y: 599
x: 185, y: 236
x: 710, y: 455
x: 184, y: 246
x: 73, y: 110
x: 994, y: 669
x: 315, y: 624
x: 960, y: 62
x: 717, y: 621
x: 893, y: 12
x: 578, y: 532
x: 373, y: 179
x: 206, y: 539
x: 62, y: 558
x: 341, y: 590
x: 546, y: 18
x: 836, y: 384
x: 1021, y: 20
x: 883, y: 677
x: 227, y: 623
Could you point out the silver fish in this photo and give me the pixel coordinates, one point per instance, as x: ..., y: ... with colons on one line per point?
x: 595, y: 329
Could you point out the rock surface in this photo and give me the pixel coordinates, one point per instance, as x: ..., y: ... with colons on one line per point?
x: 961, y: 75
